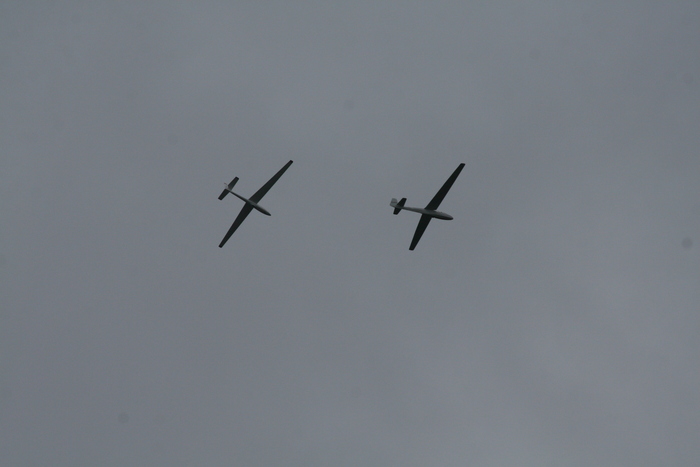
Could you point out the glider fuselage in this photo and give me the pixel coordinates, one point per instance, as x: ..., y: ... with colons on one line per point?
x: 429, y: 212
x: 252, y: 203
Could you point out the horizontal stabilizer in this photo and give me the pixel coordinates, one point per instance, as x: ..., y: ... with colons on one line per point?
x: 228, y: 188
x: 399, y: 205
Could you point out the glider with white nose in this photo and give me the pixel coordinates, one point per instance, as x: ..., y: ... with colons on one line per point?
x: 430, y: 211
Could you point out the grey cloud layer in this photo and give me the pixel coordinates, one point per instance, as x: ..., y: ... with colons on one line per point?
x: 553, y: 322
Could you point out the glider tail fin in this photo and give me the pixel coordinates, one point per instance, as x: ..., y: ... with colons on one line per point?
x: 399, y: 205
x: 228, y: 188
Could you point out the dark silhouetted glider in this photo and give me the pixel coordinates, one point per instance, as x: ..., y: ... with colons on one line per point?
x: 250, y: 203
x: 429, y: 211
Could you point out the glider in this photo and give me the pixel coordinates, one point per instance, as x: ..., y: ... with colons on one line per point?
x: 250, y: 203
x: 429, y: 211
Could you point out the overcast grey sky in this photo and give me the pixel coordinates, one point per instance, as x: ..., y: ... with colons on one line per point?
x: 554, y: 322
